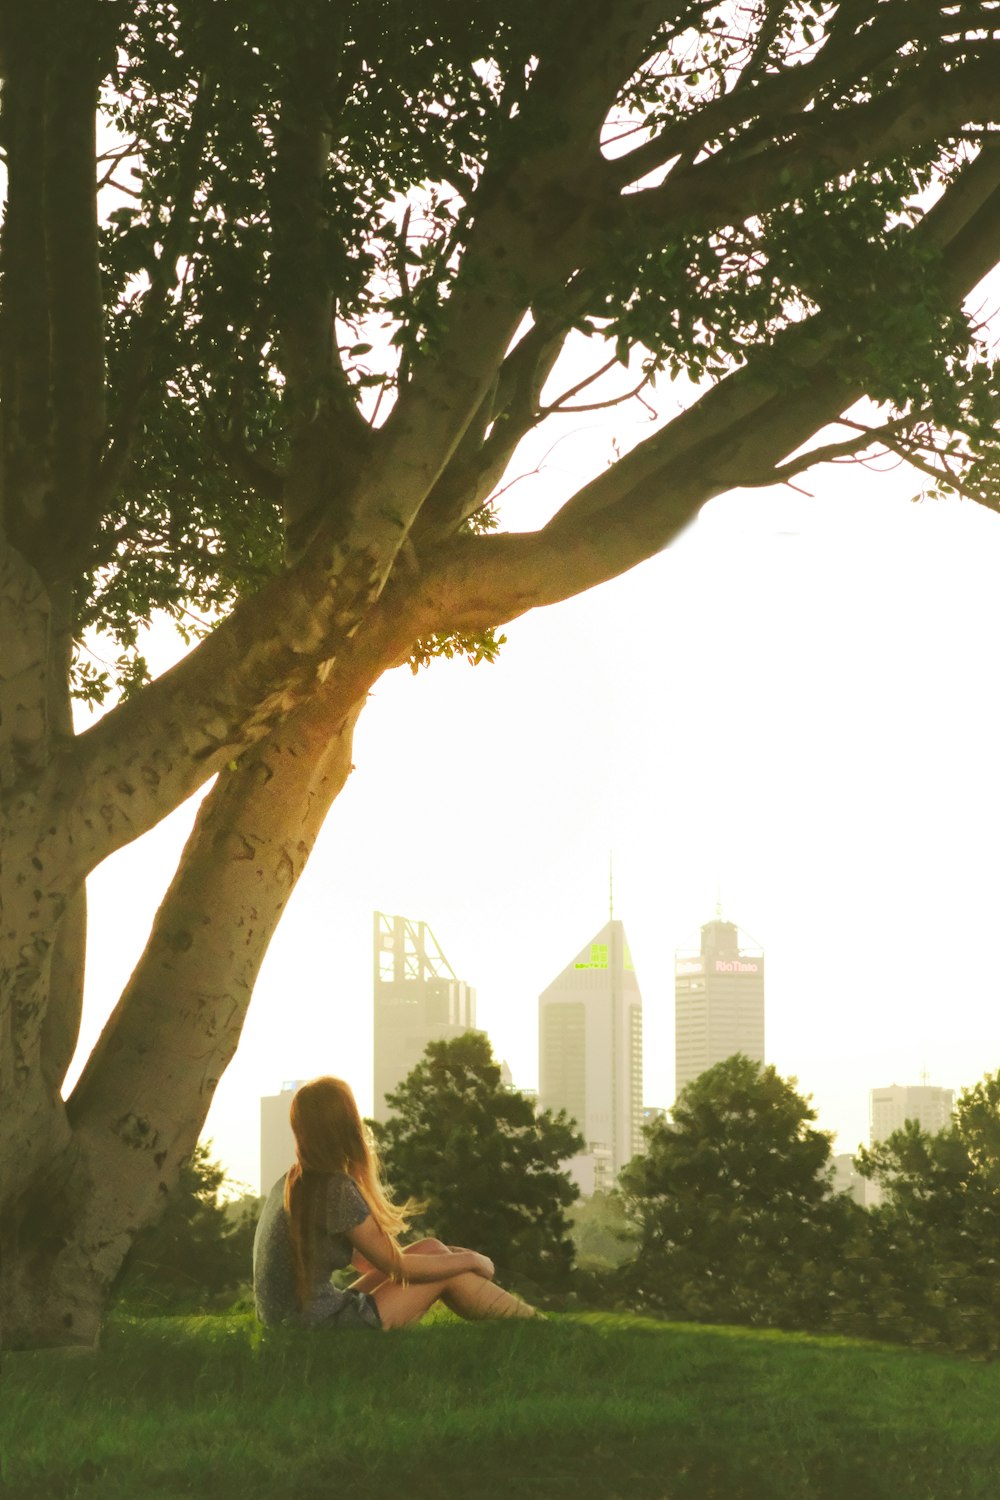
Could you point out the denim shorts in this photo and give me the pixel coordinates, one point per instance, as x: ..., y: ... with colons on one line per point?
x: 358, y: 1310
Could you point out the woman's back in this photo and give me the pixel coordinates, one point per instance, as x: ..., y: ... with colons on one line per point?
x: 338, y: 1207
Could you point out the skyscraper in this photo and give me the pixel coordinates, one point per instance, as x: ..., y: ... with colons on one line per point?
x: 277, y: 1143
x: 418, y: 1000
x: 590, y: 1047
x: 890, y: 1108
x: 718, y: 1001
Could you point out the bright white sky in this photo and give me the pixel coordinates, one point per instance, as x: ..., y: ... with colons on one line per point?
x: 795, y: 703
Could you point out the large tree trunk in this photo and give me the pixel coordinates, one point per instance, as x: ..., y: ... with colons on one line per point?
x: 139, y: 1106
x: 52, y: 386
x: 41, y: 950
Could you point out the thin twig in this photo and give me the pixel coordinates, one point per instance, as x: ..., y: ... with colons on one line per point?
x: 600, y: 405
x: 581, y: 385
x: 108, y: 180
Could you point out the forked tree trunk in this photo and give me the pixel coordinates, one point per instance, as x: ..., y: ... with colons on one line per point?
x: 139, y: 1106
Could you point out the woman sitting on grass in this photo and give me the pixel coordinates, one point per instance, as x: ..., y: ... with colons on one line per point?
x: 330, y: 1211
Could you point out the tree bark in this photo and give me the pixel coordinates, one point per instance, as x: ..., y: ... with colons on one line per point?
x: 33, y: 712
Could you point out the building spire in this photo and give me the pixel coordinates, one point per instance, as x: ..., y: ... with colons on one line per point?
x: 718, y: 901
x: 611, y: 885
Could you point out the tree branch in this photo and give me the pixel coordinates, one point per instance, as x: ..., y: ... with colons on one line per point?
x: 737, y: 430
x: 521, y: 248
x: 942, y: 475
x: 736, y: 434
x: 728, y: 188
x: 559, y: 408
x: 511, y: 247
x: 778, y: 101
x: 581, y: 385
x: 770, y: 25
x: 510, y: 410
x: 829, y: 453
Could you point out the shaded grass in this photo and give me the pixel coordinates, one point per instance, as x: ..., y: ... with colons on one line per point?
x: 575, y: 1407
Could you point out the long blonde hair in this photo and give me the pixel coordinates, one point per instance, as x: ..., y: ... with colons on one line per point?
x: 330, y: 1137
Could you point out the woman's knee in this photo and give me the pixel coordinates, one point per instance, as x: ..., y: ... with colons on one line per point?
x: 427, y: 1247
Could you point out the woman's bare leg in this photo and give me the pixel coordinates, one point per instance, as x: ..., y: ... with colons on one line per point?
x: 399, y: 1303
x: 474, y: 1297
x: 468, y: 1295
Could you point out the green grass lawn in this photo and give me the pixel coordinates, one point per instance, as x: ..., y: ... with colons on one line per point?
x: 575, y: 1407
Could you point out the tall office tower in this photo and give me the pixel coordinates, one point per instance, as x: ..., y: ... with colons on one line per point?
x: 890, y: 1108
x: 277, y: 1144
x: 590, y: 1048
x: 847, y: 1179
x: 718, y: 1001
x: 417, y: 1000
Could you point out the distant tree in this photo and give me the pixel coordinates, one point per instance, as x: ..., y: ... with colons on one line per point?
x: 736, y: 1217
x: 198, y: 1253
x: 931, y: 1268
x: 484, y: 1164
x: 603, y: 1237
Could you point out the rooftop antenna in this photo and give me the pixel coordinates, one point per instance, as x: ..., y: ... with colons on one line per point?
x: 611, y: 885
x: 718, y: 901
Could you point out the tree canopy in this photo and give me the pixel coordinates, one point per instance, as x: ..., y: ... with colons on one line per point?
x: 486, y: 1168
x: 736, y: 1216
x: 283, y: 290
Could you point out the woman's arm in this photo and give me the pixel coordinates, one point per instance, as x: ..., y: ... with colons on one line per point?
x: 365, y: 1268
x: 373, y: 1244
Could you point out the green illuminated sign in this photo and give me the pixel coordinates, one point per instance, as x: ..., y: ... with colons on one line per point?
x: 598, y: 957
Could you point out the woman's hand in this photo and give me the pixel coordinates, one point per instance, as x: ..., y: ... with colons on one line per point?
x: 482, y: 1265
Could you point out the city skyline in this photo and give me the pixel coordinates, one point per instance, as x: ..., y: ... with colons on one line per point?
x: 576, y: 1076
x: 888, y: 1105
